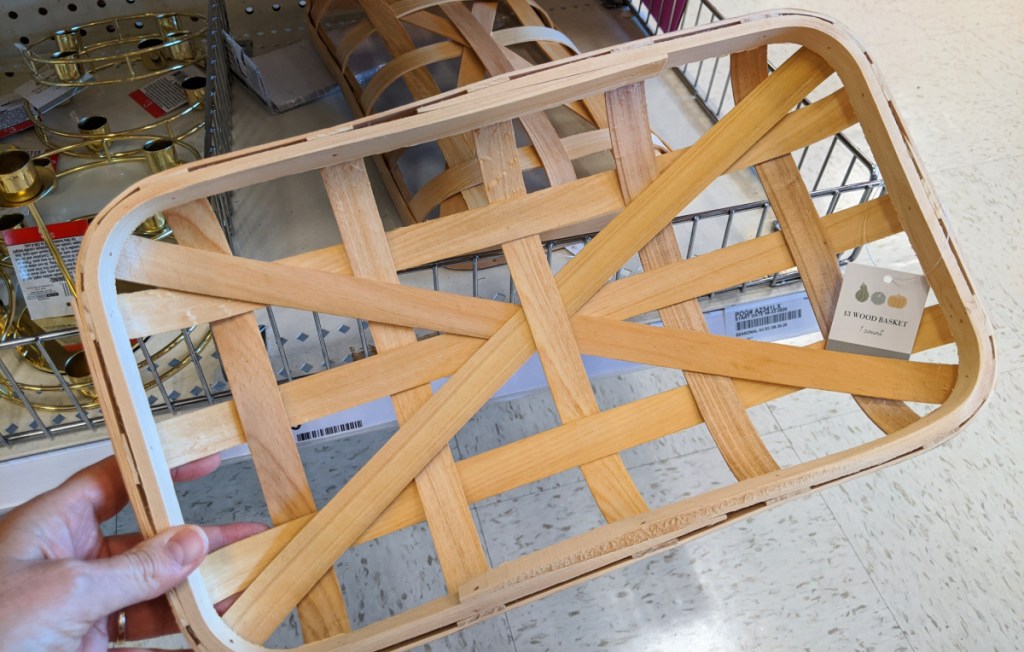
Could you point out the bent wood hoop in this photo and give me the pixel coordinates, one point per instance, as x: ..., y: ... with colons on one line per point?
x: 413, y: 478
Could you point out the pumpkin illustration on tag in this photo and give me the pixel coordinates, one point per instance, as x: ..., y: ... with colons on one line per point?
x: 897, y: 301
x: 862, y: 293
x: 878, y: 298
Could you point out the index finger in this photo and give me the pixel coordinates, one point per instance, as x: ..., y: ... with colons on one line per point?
x: 102, y: 486
x: 196, y: 469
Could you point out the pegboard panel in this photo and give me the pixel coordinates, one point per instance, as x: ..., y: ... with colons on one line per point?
x: 269, y: 24
x: 26, y: 21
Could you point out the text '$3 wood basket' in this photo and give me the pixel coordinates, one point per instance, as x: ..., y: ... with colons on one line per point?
x: 413, y: 478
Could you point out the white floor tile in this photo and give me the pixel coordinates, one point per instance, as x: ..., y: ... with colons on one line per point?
x: 810, y: 406
x: 786, y: 579
x: 941, y: 535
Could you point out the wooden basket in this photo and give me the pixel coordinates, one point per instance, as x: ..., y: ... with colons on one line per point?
x: 414, y: 478
x: 413, y: 50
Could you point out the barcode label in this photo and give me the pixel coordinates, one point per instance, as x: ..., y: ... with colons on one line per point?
x: 329, y: 430
x: 771, y: 320
x: 768, y: 320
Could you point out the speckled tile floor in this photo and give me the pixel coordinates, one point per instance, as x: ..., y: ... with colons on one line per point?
x: 926, y: 555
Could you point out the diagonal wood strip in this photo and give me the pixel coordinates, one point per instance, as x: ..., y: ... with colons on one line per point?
x: 671, y: 192
x: 622, y: 299
x: 531, y: 459
x: 263, y: 417
x: 358, y: 504
x: 806, y: 237
x: 268, y: 599
x: 566, y: 206
x: 609, y: 481
x: 687, y: 279
x: 775, y: 363
x: 456, y: 540
x: 716, y: 396
x: 180, y: 268
x: 345, y: 387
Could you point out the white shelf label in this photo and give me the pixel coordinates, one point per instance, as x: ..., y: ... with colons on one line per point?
x: 770, y: 320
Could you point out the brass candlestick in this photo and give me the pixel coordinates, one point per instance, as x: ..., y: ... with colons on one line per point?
x: 153, y: 55
x: 195, y: 88
x: 168, y: 23
x: 20, y: 181
x: 160, y: 156
x: 94, y: 127
x: 180, y: 47
x: 100, y: 139
x: 68, y: 40
x: 67, y: 69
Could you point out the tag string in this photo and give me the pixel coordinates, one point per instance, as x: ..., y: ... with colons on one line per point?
x: 945, y: 225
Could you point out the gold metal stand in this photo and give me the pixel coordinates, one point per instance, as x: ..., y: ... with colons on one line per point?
x: 141, y: 46
x: 23, y: 182
x: 95, y: 129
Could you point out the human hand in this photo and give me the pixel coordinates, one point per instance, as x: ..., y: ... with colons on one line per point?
x: 63, y: 584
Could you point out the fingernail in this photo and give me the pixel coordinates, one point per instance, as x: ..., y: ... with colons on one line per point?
x: 187, y: 546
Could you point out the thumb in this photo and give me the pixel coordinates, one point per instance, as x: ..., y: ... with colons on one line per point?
x: 150, y: 569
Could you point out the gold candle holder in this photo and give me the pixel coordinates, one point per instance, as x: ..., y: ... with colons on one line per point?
x: 160, y: 156
x: 168, y: 23
x: 68, y: 40
x: 94, y: 127
x: 77, y: 369
x: 181, y: 47
x: 19, y: 177
x: 10, y: 221
x: 65, y: 66
x: 153, y: 53
x: 195, y: 88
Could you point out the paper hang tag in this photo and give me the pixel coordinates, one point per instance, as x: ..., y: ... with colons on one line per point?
x: 878, y: 313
